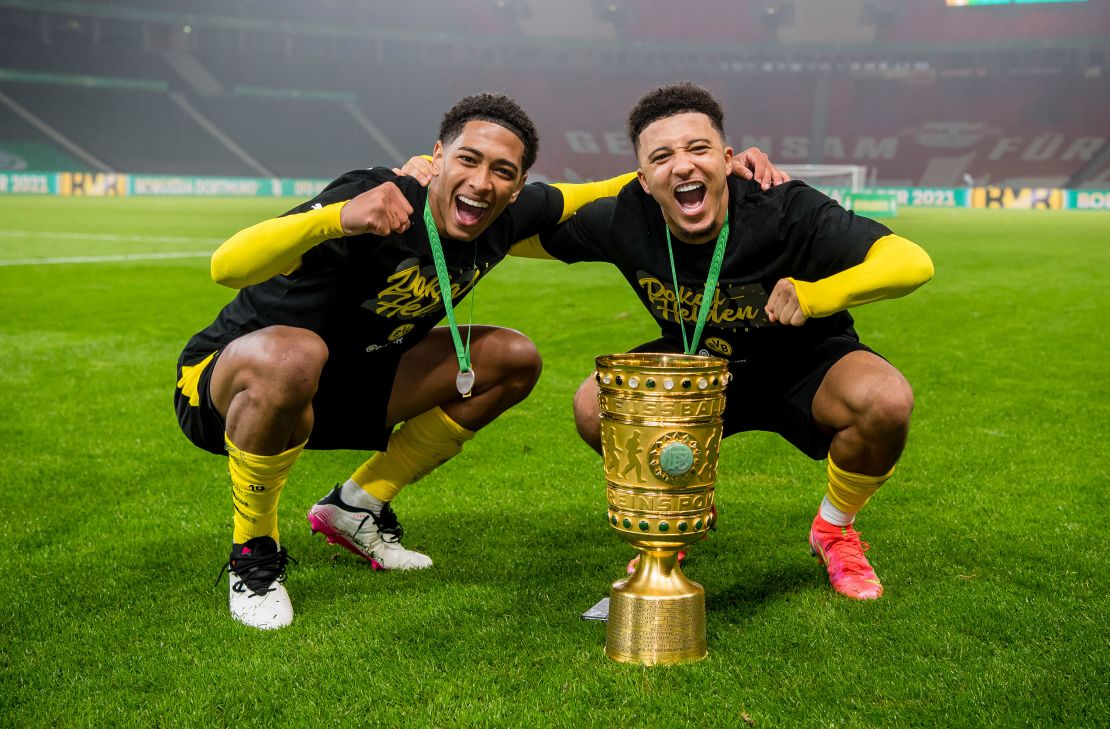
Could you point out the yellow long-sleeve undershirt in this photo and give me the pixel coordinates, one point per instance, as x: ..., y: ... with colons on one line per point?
x: 275, y: 246
x: 893, y: 267
x: 575, y: 195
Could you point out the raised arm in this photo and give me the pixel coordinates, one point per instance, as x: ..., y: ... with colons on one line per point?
x: 893, y: 267
x: 275, y: 246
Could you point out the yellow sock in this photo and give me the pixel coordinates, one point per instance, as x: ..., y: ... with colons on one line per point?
x: 850, y: 491
x: 256, y: 483
x: 414, y: 450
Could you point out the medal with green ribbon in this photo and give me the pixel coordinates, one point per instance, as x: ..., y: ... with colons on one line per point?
x: 464, y: 381
x: 708, y: 294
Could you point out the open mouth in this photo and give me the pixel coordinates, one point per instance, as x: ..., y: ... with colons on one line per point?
x: 469, y: 211
x: 690, y: 196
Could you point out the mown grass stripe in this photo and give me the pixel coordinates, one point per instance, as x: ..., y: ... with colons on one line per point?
x: 79, y: 235
x: 115, y: 258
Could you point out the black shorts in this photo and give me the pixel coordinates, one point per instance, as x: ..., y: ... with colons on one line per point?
x: 349, y: 409
x: 777, y: 396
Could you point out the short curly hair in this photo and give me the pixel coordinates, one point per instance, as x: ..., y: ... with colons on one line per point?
x: 497, y: 109
x: 672, y: 99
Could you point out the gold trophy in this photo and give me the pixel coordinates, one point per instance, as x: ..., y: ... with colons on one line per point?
x: 660, y: 434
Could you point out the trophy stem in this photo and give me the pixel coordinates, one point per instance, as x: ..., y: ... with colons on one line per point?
x: 656, y: 615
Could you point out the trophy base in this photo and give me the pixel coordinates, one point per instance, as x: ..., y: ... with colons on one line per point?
x: 657, y: 615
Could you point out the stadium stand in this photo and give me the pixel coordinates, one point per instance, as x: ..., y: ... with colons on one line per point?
x: 81, y: 57
x: 929, y: 131
x: 817, y: 21
x: 28, y: 148
x: 133, y: 131
x: 920, y: 93
x: 588, y: 146
x: 485, y: 18
x: 995, y: 129
x: 431, y: 16
x: 932, y: 22
x: 302, y: 138
x: 570, y: 19
x: 264, y: 60
x: 718, y: 21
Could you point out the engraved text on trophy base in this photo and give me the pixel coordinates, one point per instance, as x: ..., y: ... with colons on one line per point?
x: 661, y: 629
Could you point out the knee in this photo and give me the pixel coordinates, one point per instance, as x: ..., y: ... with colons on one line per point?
x: 587, y: 414
x: 280, y: 368
x: 889, y: 407
x: 518, y: 362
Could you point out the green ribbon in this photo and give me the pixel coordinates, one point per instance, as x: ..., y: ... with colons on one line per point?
x: 462, y: 352
x: 708, y: 294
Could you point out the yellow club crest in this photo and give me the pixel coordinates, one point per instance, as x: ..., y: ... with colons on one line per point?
x: 719, y: 345
x: 400, y: 332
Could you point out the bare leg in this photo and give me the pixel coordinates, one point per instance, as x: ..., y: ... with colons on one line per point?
x: 587, y: 413
x: 867, y: 403
x: 505, y: 361
x: 263, y: 384
x: 437, y: 421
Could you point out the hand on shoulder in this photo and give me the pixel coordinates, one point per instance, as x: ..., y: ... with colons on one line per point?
x: 419, y: 168
x: 753, y: 164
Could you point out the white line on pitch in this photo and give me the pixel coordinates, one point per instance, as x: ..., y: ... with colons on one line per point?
x: 105, y: 259
x: 106, y: 236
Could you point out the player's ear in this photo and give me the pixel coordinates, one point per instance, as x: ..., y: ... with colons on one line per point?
x: 729, y: 154
x: 437, y: 158
x: 643, y: 180
x: 519, y: 186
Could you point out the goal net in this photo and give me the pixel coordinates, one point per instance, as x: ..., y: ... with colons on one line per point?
x: 850, y: 177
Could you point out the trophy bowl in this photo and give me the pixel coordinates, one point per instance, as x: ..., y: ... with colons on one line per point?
x: 661, y: 434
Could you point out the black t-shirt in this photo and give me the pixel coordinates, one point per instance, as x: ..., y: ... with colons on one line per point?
x: 789, y: 230
x: 366, y: 293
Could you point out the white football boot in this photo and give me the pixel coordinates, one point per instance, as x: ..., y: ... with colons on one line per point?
x: 361, y: 524
x: 256, y: 595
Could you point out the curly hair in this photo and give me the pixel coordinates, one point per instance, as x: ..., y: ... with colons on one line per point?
x: 672, y: 99
x: 497, y: 109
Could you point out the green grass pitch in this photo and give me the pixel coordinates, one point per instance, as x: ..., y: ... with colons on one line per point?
x: 991, y: 539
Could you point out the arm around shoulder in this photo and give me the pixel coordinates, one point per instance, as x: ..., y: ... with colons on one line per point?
x: 575, y: 198
x: 575, y: 195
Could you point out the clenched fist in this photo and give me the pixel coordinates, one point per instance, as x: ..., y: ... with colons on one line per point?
x: 783, y: 306
x: 380, y: 211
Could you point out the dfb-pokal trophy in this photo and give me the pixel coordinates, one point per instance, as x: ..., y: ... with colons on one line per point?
x: 661, y: 433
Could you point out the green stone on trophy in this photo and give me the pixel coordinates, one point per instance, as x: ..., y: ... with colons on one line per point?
x: 676, y: 459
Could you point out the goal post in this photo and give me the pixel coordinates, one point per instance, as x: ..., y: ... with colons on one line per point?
x: 846, y: 184
x: 852, y: 177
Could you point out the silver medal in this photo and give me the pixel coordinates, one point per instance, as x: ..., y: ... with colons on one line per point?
x: 464, y: 382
